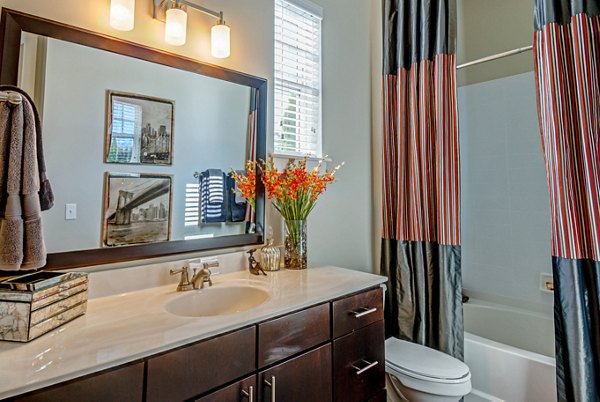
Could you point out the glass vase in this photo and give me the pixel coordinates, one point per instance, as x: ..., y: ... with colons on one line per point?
x: 295, y: 255
x: 270, y: 256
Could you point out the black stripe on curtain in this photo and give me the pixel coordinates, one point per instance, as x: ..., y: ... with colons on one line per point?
x: 561, y: 11
x: 414, y: 31
x: 420, y: 300
x: 577, y: 327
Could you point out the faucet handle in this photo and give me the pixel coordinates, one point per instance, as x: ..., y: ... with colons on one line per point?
x: 210, y: 263
x: 182, y: 270
x: 184, y: 282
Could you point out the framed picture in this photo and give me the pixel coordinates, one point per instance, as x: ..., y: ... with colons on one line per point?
x: 139, y: 129
x: 137, y: 208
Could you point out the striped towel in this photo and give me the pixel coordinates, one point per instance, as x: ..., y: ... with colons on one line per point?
x: 212, y: 199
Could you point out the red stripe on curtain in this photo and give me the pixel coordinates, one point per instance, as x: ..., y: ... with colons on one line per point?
x: 567, y: 68
x: 421, y: 173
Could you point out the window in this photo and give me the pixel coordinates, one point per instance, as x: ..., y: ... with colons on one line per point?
x: 126, y: 122
x: 297, y: 78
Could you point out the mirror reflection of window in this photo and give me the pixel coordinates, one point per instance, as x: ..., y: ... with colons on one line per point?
x: 125, y: 134
x: 192, y: 204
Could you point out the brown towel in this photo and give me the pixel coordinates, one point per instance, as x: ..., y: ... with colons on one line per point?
x: 21, y: 238
x: 45, y: 192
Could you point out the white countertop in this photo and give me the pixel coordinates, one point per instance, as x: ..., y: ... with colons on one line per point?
x: 126, y: 327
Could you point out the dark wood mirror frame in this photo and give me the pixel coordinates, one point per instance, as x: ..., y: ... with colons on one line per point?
x: 13, y: 23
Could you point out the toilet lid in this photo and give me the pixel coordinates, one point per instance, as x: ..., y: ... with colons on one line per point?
x: 411, y: 358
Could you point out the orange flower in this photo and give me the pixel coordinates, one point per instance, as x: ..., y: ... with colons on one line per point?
x: 293, y: 191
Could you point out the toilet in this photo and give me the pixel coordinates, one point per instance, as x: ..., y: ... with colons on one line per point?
x: 416, y: 373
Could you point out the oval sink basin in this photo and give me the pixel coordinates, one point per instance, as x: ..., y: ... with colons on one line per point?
x: 215, y: 301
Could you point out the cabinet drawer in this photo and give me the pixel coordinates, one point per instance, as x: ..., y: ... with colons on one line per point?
x: 359, y: 364
x: 193, y: 370
x: 305, y: 378
x: 357, y: 311
x: 238, y: 392
x: 292, y: 334
x: 122, y: 384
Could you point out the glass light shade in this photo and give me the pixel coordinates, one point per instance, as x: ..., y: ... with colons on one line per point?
x: 220, y: 37
x: 175, y: 30
x: 122, y: 14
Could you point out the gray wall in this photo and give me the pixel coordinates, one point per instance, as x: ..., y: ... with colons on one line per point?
x: 340, y: 229
x: 505, y: 204
x: 210, y: 132
x: 487, y: 27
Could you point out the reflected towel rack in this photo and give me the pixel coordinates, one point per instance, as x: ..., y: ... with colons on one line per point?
x: 496, y: 56
x: 12, y: 98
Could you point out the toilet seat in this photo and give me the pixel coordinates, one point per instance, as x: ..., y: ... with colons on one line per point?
x: 425, y: 369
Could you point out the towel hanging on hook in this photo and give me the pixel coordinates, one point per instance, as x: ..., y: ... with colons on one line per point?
x: 46, y: 195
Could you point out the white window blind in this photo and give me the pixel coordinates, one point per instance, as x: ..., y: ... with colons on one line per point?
x: 297, y: 78
x: 126, y: 126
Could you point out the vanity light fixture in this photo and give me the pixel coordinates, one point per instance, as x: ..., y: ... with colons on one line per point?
x: 176, y: 25
x: 173, y: 12
x: 122, y: 14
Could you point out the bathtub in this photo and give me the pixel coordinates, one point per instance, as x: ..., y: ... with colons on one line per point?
x: 510, y: 353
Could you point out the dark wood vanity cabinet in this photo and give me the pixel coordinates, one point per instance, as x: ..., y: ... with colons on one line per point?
x: 241, y: 391
x: 358, y: 347
x: 125, y: 383
x: 303, y: 378
x: 333, y: 351
x: 192, y: 370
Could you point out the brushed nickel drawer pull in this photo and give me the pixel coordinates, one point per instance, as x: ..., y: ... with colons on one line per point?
x: 368, y: 366
x: 272, y: 385
x: 363, y: 312
x: 249, y: 394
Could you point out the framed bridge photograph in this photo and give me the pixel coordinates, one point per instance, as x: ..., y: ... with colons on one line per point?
x: 137, y: 208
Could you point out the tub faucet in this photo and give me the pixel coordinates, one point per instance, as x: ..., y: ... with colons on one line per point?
x: 199, y: 278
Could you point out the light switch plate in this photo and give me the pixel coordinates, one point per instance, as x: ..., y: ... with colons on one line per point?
x: 70, y: 212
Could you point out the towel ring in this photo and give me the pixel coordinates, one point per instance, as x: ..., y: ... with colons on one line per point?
x: 12, y: 98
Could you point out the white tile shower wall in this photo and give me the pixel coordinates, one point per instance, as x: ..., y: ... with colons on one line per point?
x: 505, y: 206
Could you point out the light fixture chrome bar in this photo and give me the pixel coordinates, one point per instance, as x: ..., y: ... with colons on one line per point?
x: 160, y: 8
x: 496, y: 56
x: 11, y: 97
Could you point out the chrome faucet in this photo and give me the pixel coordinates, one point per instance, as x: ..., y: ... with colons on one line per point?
x: 199, y: 278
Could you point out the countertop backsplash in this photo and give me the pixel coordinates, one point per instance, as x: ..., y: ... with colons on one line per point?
x: 124, y: 280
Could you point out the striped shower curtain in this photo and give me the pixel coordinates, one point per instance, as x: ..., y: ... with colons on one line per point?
x: 567, y: 56
x: 421, y: 204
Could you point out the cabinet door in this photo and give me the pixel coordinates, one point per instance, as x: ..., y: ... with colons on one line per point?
x: 193, y: 370
x: 242, y: 391
x: 121, y: 384
x: 359, y: 364
x: 301, y: 379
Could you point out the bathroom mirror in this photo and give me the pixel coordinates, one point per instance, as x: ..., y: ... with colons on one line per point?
x: 129, y: 133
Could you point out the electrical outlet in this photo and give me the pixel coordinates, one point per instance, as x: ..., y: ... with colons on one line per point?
x: 70, y: 212
x: 546, y: 282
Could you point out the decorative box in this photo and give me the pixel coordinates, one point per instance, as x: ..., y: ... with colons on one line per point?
x: 33, y: 304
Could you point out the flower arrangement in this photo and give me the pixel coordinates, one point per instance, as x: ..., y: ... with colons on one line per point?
x: 294, y: 193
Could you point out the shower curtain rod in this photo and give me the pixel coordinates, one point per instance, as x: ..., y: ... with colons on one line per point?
x: 11, y: 97
x: 496, y: 56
